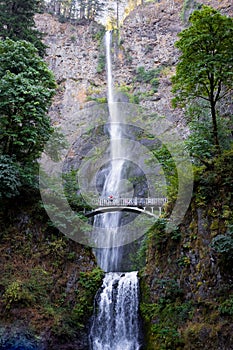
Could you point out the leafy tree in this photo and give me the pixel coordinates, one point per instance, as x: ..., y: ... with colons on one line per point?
x: 17, y: 21
x: 27, y: 87
x: 9, y: 177
x: 204, y: 71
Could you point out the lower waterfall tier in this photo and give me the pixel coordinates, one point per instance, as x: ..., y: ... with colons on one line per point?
x: 116, y: 324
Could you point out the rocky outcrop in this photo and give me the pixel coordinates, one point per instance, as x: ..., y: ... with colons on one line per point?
x: 148, y: 36
x: 72, y: 54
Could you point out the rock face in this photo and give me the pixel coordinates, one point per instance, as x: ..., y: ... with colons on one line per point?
x: 72, y: 55
x: 146, y: 39
x: 181, y: 271
x: 148, y: 36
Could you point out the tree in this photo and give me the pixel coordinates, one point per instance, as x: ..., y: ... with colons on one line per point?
x: 76, y: 9
x: 27, y: 87
x: 9, y: 177
x: 17, y: 21
x: 205, y: 67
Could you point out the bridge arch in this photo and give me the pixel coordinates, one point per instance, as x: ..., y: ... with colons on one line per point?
x: 117, y: 208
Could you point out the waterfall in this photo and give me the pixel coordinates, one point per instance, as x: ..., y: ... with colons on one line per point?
x: 115, y: 324
x: 108, y: 259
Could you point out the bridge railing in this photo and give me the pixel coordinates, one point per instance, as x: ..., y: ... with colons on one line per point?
x: 134, y: 202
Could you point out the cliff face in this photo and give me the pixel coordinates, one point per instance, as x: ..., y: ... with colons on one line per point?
x: 184, y: 283
x: 76, y: 55
x: 146, y: 39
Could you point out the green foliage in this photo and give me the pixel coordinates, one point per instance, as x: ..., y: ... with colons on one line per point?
x: 17, y: 22
x: 200, y: 142
x: 207, y: 52
x: 223, y: 244
x: 97, y: 99
x: 203, y: 52
x: 223, y: 166
x: 226, y: 307
x: 101, y: 63
x: 168, y: 289
x: 158, y: 236
x: 73, y: 39
x: 99, y: 36
x: 215, y: 175
x: 167, y: 337
x: 164, y: 319
x: 9, y: 177
x: 138, y: 258
x: 27, y: 87
x: 188, y: 6
x: 89, y: 282
x: 76, y: 10
x: 183, y: 261
x: 16, y: 294
x: 148, y: 311
x: 71, y: 190
x: 166, y: 160
x: 149, y: 77
x: 35, y: 289
x: 127, y: 91
x: 39, y: 284
x: 55, y: 145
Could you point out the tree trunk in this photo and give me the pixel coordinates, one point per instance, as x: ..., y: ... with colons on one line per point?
x: 215, y: 125
x: 213, y: 113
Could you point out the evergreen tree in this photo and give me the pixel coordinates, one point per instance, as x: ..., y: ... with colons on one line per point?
x: 17, y: 21
x: 76, y: 9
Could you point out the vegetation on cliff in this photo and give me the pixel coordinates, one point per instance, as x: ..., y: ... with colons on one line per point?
x: 187, y: 282
x: 48, y: 282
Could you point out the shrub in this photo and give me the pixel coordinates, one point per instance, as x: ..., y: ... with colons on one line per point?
x: 16, y: 293
x: 149, y: 77
x: 223, y: 244
x: 226, y: 308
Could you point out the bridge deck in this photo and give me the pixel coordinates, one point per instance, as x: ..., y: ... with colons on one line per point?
x: 137, y: 205
x: 133, y: 202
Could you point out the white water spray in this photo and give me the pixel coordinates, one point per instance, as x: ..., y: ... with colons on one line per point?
x: 115, y: 323
x: 108, y: 259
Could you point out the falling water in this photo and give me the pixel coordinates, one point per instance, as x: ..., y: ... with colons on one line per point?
x: 115, y: 323
x: 108, y: 259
